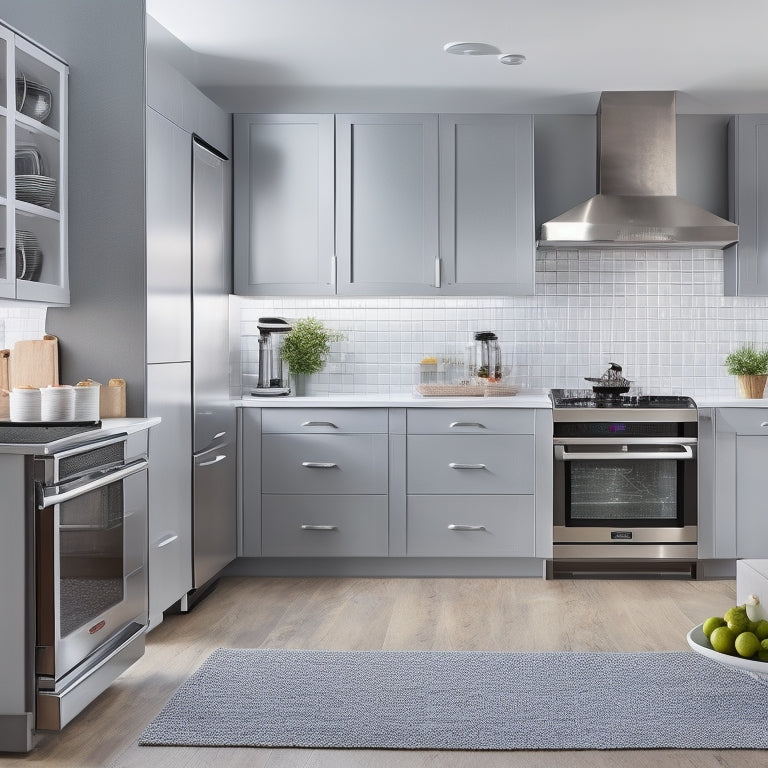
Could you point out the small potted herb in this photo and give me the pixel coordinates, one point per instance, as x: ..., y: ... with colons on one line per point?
x: 750, y: 366
x: 305, y: 349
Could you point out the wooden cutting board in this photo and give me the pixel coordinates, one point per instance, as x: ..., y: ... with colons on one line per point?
x: 34, y: 362
x: 4, y: 355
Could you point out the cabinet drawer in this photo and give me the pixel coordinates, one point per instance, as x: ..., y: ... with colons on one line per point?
x: 324, y: 420
x: 471, y: 464
x: 743, y: 421
x: 324, y: 464
x: 470, y: 421
x: 470, y: 526
x: 327, y: 526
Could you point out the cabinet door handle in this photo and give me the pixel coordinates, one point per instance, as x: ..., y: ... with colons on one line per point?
x: 455, y: 424
x: 168, y: 540
x: 764, y: 424
x: 318, y: 424
x: 437, y: 272
x: 456, y: 527
x: 307, y: 527
x: 456, y: 465
x: 319, y: 464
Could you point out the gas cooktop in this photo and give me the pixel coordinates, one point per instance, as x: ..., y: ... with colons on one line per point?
x: 586, y: 398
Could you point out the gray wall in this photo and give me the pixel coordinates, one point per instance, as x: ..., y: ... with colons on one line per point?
x: 102, y: 334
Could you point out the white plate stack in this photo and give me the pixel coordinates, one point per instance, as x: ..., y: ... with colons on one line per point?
x: 57, y: 403
x: 25, y: 404
x: 87, y: 401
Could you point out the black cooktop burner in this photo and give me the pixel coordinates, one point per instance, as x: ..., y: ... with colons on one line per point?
x: 584, y: 398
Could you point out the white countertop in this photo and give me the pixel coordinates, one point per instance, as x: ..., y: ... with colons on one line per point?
x: 536, y: 398
x: 730, y: 402
x: 531, y: 398
x: 109, y: 428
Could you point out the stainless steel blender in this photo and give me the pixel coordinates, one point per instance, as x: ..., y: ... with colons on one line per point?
x: 273, y: 372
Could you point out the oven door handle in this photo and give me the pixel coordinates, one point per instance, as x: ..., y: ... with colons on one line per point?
x: 50, y: 497
x: 683, y: 453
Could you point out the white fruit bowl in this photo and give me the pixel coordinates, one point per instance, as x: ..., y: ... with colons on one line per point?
x: 699, y: 642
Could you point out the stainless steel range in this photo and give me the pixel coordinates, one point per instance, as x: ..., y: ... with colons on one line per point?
x: 625, y: 486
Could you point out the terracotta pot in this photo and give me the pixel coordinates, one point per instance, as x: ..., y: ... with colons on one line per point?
x: 752, y: 386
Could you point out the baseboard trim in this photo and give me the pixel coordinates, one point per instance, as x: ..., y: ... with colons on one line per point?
x: 389, y: 567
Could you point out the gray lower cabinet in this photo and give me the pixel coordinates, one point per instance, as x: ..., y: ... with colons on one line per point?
x: 470, y: 526
x: 283, y: 204
x: 741, y: 459
x: 332, y: 525
x: 746, y: 263
x: 314, y: 482
x: 169, y: 395
x: 470, y: 482
x: 396, y: 482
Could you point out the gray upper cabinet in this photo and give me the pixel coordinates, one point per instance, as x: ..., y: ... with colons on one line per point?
x: 487, y: 234
x: 284, y: 203
x: 746, y: 263
x: 387, y: 204
x: 384, y: 205
x: 169, y: 254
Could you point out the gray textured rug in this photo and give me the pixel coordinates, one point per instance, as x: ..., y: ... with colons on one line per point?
x: 464, y: 700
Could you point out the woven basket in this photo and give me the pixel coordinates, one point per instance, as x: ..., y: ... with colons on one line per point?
x: 450, y: 390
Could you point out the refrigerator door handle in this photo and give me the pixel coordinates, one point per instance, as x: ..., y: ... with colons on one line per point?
x: 219, y: 457
x: 214, y: 445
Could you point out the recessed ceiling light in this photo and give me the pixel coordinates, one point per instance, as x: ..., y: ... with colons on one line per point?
x: 512, y: 58
x: 471, y: 49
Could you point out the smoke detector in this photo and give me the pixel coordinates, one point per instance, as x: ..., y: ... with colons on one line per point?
x: 511, y: 58
x: 471, y: 49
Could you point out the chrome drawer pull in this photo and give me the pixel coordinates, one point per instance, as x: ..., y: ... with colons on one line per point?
x: 455, y: 465
x: 764, y: 424
x: 318, y: 424
x: 306, y: 527
x: 455, y: 527
x: 466, y: 424
x: 319, y: 464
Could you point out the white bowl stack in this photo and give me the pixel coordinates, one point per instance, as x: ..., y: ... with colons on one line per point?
x: 25, y: 404
x: 87, y: 401
x: 57, y: 403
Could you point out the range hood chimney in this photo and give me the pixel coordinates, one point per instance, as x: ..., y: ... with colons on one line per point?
x: 637, y: 204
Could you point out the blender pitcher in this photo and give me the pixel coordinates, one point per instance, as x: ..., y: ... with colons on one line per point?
x: 485, y: 354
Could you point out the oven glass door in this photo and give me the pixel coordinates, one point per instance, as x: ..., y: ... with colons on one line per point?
x: 91, y: 557
x: 633, y: 486
x: 91, y: 542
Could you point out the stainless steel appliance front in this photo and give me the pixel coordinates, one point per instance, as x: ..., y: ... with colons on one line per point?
x: 625, y: 485
x: 91, y: 580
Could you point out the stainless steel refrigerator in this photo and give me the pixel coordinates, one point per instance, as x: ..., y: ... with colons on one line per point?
x: 214, y: 444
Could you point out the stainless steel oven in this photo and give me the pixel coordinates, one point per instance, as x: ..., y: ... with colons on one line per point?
x: 625, y: 485
x: 90, y: 571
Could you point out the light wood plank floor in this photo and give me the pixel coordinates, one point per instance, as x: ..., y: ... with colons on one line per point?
x: 349, y: 613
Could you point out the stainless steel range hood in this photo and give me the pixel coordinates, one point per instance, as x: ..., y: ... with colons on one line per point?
x: 637, y: 204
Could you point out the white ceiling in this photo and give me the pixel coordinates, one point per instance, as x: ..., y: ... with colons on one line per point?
x: 248, y: 54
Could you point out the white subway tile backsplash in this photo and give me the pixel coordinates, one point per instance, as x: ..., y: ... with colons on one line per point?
x: 660, y: 314
x: 20, y: 323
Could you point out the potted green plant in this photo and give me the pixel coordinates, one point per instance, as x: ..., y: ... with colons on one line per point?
x: 305, y: 349
x: 750, y: 366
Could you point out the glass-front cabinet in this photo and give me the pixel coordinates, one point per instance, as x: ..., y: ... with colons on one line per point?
x: 33, y: 172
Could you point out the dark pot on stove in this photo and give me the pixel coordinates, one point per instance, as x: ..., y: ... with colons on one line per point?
x: 611, y: 384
